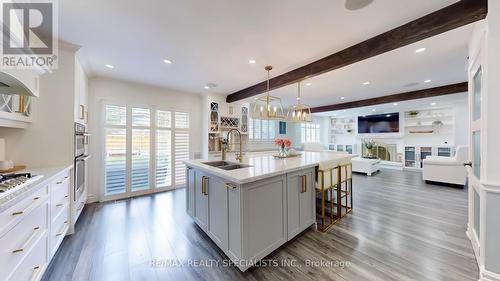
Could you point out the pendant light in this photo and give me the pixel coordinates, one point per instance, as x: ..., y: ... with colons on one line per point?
x: 299, y: 113
x: 268, y: 107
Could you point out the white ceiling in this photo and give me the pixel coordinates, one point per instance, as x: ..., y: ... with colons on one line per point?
x: 402, y: 70
x: 212, y: 41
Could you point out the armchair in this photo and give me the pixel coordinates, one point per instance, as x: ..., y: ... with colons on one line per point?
x: 449, y: 170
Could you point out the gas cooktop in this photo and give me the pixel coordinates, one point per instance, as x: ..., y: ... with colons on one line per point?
x: 11, y: 182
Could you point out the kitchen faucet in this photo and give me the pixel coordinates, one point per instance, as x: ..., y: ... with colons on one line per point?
x: 225, y: 146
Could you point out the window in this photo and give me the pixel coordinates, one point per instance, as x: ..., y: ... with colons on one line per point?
x: 144, y: 149
x: 309, y: 132
x: 262, y: 130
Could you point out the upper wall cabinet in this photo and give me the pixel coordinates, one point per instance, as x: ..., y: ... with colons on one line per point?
x: 19, y: 82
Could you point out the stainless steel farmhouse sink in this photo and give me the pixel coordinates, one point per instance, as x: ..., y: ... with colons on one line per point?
x: 225, y: 165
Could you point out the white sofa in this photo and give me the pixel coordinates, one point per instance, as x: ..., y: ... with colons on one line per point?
x: 447, y: 169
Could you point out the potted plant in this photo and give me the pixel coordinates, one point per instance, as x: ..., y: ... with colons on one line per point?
x: 283, y: 144
x: 369, y: 144
x: 413, y: 113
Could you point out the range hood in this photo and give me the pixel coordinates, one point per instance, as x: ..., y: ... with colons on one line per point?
x: 18, y: 82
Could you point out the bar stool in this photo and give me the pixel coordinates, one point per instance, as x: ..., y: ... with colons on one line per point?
x: 327, y: 182
x: 344, y: 189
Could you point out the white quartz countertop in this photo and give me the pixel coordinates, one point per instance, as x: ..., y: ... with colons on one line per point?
x: 47, y: 173
x: 264, y: 165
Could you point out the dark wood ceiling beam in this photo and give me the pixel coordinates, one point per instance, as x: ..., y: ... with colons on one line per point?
x: 459, y: 14
x: 413, y: 95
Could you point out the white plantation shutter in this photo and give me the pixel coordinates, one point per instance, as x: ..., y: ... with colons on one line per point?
x: 140, y: 159
x: 143, y: 151
x: 115, y: 160
x: 163, y: 149
x: 181, y: 146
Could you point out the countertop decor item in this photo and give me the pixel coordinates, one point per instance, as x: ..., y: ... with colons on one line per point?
x: 13, y: 169
x: 268, y: 107
x: 283, y: 144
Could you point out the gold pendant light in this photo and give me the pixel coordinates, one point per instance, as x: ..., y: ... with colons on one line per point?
x: 299, y: 113
x: 268, y: 107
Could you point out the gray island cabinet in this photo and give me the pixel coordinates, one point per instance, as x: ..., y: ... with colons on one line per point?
x: 250, y: 220
x: 250, y: 209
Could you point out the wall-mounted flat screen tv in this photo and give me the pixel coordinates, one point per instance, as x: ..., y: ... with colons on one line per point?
x: 379, y: 123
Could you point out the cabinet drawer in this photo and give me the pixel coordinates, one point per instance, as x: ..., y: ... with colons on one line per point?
x: 60, y: 185
x: 58, y: 230
x: 19, y: 242
x: 34, y: 264
x: 16, y: 213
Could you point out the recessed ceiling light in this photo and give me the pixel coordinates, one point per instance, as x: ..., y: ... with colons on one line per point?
x: 366, y: 83
x: 167, y: 61
x: 433, y: 103
x: 345, y: 110
x: 109, y: 66
x: 342, y: 98
x: 419, y: 50
x: 255, y: 98
x: 428, y: 81
x: 308, y: 84
x: 374, y: 110
x: 206, y: 87
x: 388, y: 115
x: 252, y: 61
x: 395, y: 104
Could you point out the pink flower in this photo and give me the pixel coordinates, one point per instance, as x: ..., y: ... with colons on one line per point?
x: 283, y: 142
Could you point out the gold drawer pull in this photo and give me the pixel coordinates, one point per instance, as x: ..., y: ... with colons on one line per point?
x: 303, y: 184
x: 36, y: 273
x: 62, y: 231
x: 26, y: 244
x: 204, y: 185
x: 230, y: 186
x: 25, y: 210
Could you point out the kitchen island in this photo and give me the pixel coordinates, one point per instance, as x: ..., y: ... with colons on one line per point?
x: 250, y: 209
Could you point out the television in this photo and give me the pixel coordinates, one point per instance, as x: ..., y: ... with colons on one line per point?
x: 379, y: 123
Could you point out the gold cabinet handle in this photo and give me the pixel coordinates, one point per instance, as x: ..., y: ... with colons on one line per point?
x: 26, y: 244
x: 25, y: 210
x: 204, y: 185
x: 62, y: 230
x: 303, y: 184
x: 230, y: 186
x: 36, y: 273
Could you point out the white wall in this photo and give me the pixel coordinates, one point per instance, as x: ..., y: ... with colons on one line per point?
x: 48, y: 141
x: 134, y: 94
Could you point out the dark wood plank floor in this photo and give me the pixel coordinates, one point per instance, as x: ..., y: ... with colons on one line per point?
x: 400, y: 229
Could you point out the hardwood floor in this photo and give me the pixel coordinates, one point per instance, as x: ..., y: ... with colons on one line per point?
x: 400, y: 229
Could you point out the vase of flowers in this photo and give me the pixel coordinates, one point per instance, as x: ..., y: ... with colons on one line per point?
x: 369, y: 144
x: 283, y: 145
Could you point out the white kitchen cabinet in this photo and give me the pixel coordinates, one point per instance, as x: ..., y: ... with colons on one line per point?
x: 301, y: 202
x: 201, y: 199
x: 217, y: 227
x: 33, y: 229
x: 22, y: 240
